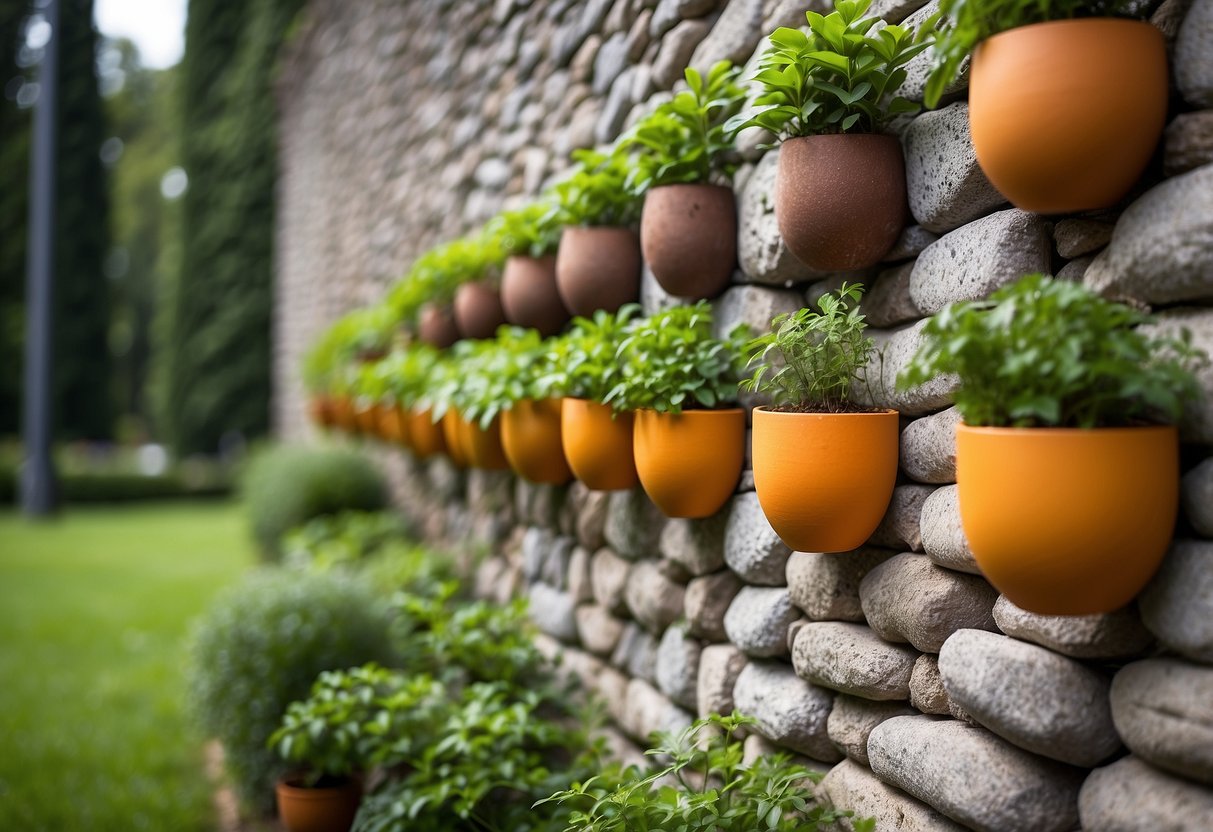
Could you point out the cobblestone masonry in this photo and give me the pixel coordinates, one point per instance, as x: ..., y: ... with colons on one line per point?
x: 407, y: 123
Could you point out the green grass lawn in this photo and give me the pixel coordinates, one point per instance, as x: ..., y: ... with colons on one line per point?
x: 94, y: 609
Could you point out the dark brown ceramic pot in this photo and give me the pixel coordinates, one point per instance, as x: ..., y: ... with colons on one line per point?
x: 478, y: 310
x: 841, y: 199
x: 529, y: 294
x: 597, y: 268
x: 688, y: 234
x: 327, y: 809
x: 436, y: 326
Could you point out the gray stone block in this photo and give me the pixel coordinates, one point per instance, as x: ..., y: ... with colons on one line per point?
x: 678, y: 667
x: 553, y: 612
x: 706, y: 601
x: 633, y: 524
x: 719, y: 667
x: 758, y: 619
x: 1131, y: 796
x: 1116, y: 635
x: 1193, y: 64
x: 761, y: 252
x: 609, y: 579
x: 826, y: 586
x: 698, y: 545
x: 945, y: 185
x: 654, y: 600
x: 1197, y: 495
x: 598, y: 630
x: 900, y: 528
x: 943, y: 537
x: 789, y: 710
x: 1177, y: 605
x: 852, y: 787
x: 1163, y: 708
x: 852, y: 720
x: 928, y: 447
x: 752, y: 549
x: 850, y: 658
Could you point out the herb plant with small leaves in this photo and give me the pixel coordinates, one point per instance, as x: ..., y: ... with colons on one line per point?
x: 841, y: 77
x: 810, y: 361
x: 671, y: 361
x: 501, y: 373
x: 1042, y: 352
x: 595, y: 194
x: 533, y: 230
x: 584, y: 363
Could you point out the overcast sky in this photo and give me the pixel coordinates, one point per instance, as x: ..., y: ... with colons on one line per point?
x: 156, y: 26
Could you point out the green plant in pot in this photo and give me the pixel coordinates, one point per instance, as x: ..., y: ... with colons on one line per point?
x: 840, y: 195
x: 1067, y: 460
x: 824, y: 465
x: 597, y: 438
x: 598, y: 260
x: 529, y: 236
x: 682, y: 383
x: 411, y: 373
x: 1067, y: 98
x: 476, y: 261
x: 683, y: 167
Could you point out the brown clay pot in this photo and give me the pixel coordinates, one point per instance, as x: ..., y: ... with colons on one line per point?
x: 688, y: 234
x: 1065, y: 115
x: 597, y: 268
x: 343, y: 414
x: 840, y: 200
x: 320, y: 809
x: 436, y: 326
x: 482, y: 446
x: 425, y: 436
x: 529, y: 295
x: 598, y: 444
x: 478, y: 310
x: 320, y: 411
x: 453, y: 429
x: 530, y: 436
x: 367, y: 417
x: 689, y: 463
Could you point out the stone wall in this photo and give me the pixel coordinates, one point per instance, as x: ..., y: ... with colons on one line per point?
x: 932, y: 702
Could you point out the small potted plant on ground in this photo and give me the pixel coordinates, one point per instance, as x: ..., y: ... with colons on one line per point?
x: 689, y: 436
x: 598, y: 260
x: 1067, y: 98
x: 1067, y: 460
x: 824, y: 466
x: 840, y: 196
x: 529, y: 296
x: 597, y: 438
x: 688, y: 230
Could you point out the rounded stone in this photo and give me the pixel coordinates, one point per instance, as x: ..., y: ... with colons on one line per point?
x: 852, y: 659
x: 1116, y: 635
x: 790, y: 711
x: 758, y: 619
x: 1163, y: 708
x: 752, y: 549
x: 1177, y: 605
x: 1131, y: 796
x: 826, y: 586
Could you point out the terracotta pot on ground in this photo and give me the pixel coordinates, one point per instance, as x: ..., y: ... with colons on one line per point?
x: 689, y: 463
x: 599, y: 448
x: 425, y: 437
x: 453, y: 429
x: 478, y: 310
x: 482, y: 446
x: 1066, y: 115
x: 320, y: 809
x: 529, y: 295
x: 436, y: 326
x: 840, y: 200
x: 1068, y: 521
x: 530, y: 437
x: 688, y: 234
x: 597, y: 268
x: 824, y: 480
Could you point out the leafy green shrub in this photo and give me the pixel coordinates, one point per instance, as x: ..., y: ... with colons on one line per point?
x: 685, y: 139
x: 968, y: 22
x: 532, y: 230
x: 287, y: 486
x: 584, y: 362
x: 343, y: 538
x: 703, y: 788
x: 261, y: 645
x: 841, y: 77
x: 671, y: 361
x: 1050, y: 353
x: 809, y: 360
x: 595, y: 194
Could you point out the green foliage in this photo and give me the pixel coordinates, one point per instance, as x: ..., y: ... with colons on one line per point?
x: 339, y: 539
x: 584, y: 362
x: 409, y: 372
x: 436, y: 275
x: 532, y: 230
x: 1051, y: 353
x: 842, y: 77
x: 702, y: 788
x: 965, y: 23
x: 670, y: 361
x: 261, y: 645
x: 287, y: 486
x: 489, y: 377
x: 362, y: 332
x: 809, y: 360
x: 14, y: 214
x: 596, y: 193
x: 685, y: 139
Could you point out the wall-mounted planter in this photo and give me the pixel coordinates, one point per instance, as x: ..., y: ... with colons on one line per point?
x: 689, y: 463
x: 598, y: 446
x: 320, y: 411
x: 688, y: 234
x: 317, y: 809
x: 597, y: 268
x: 529, y: 295
x: 1068, y: 521
x: 367, y: 417
x: 840, y: 200
x: 436, y: 326
x: 396, y: 419
x: 343, y: 414
x: 483, y: 446
x: 824, y: 480
x: 478, y: 310
x: 425, y: 437
x: 1065, y: 115
x: 530, y: 437
x: 453, y: 436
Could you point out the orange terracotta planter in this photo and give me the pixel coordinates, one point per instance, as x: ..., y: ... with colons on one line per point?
x: 530, y: 437
x: 320, y: 411
x: 1068, y: 521
x: 366, y: 417
x: 453, y: 430
x: 393, y: 424
x: 1066, y: 115
x: 318, y: 810
x: 425, y: 437
x: 824, y: 480
x: 483, y: 446
x: 597, y: 446
x: 343, y: 414
x: 689, y: 463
